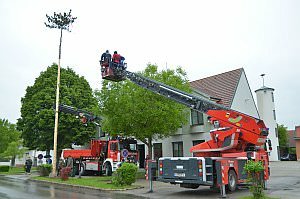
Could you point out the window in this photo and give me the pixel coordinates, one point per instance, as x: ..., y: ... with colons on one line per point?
x: 177, y: 149
x: 274, y: 114
x: 196, y: 118
x: 132, y: 147
x: 196, y: 142
x: 114, y: 146
x: 104, y: 147
x: 157, y: 149
x: 276, y: 132
x: 272, y: 96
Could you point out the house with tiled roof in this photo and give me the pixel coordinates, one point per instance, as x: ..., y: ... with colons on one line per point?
x: 291, y: 139
x: 230, y: 89
x: 297, y: 140
x: 294, y: 140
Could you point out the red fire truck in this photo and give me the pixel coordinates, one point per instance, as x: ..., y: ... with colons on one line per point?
x: 219, y: 162
x: 103, y: 155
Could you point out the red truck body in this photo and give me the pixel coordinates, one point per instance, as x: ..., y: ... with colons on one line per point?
x: 104, y: 156
x: 235, y: 139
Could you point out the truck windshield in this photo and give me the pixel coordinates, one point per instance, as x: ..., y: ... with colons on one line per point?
x: 114, y: 146
x: 129, y: 147
x: 132, y: 147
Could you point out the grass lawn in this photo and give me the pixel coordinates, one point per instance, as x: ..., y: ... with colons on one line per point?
x: 140, y: 175
x: 102, y: 182
x: 251, y: 197
x: 16, y: 170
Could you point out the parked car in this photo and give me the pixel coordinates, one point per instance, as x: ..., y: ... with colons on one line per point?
x: 288, y: 157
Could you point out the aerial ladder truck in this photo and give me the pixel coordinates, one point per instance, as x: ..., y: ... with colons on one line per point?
x: 235, y: 138
x: 103, y: 155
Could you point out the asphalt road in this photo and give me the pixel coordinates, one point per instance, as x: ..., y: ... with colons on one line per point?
x: 19, y: 187
x: 284, y: 183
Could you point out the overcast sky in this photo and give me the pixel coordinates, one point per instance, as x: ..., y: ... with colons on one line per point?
x: 204, y: 37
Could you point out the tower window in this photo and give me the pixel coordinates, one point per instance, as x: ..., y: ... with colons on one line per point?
x: 272, y: 96
x: 274, y: 114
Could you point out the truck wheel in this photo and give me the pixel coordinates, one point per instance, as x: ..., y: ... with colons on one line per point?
x: 232, y: 181
x: 108, y: 169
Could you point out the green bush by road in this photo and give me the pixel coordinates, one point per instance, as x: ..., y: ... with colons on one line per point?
x: 125, y: 175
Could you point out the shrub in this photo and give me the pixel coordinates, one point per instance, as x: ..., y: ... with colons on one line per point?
x: 292, y: 150
x: 45, y: 169
x: 125, y: 175
x: 4, y: 168
x: 254, y: 170
x: 65, y: 172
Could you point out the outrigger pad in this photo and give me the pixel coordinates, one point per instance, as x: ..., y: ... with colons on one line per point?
x: 113, y: 72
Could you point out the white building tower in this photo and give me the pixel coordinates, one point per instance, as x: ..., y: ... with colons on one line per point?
x: 266, y: 109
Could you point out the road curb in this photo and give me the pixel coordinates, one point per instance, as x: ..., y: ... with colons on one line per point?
x: 84, y: 187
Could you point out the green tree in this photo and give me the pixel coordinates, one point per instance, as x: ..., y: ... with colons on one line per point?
x: 36, y: 122
x: 135, y: 111
x: 4, y: 139
x: 7, y: 133
x: 283, y: 138
x: 14, y: 149
x: 10, y: 141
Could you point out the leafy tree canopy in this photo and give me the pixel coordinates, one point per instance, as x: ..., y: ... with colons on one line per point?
x: 60, y: 21
x: 10, y: 141
x: 37, y: 114
x: 282, y: 136
x: 8, y: 134
x: 14, y: 149
x: 135, y: 111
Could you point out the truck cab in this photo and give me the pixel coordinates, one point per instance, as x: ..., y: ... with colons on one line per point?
x: 120, y: 150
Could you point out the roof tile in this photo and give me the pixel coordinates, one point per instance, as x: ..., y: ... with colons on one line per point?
x: 221, y: 86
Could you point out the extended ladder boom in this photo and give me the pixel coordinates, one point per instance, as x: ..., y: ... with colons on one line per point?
x: 193, y: 102
x: 84, y: 115
x: 233, y: 131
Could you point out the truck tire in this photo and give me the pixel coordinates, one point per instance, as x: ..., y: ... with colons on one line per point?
x: 232, y: 180
x: 108, y: 169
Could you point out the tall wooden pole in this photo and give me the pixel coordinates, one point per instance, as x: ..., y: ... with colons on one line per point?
x: 56, y: 112
x: 62, y: 22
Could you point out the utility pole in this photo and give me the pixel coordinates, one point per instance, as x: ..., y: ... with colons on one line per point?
x: 61, y: 22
